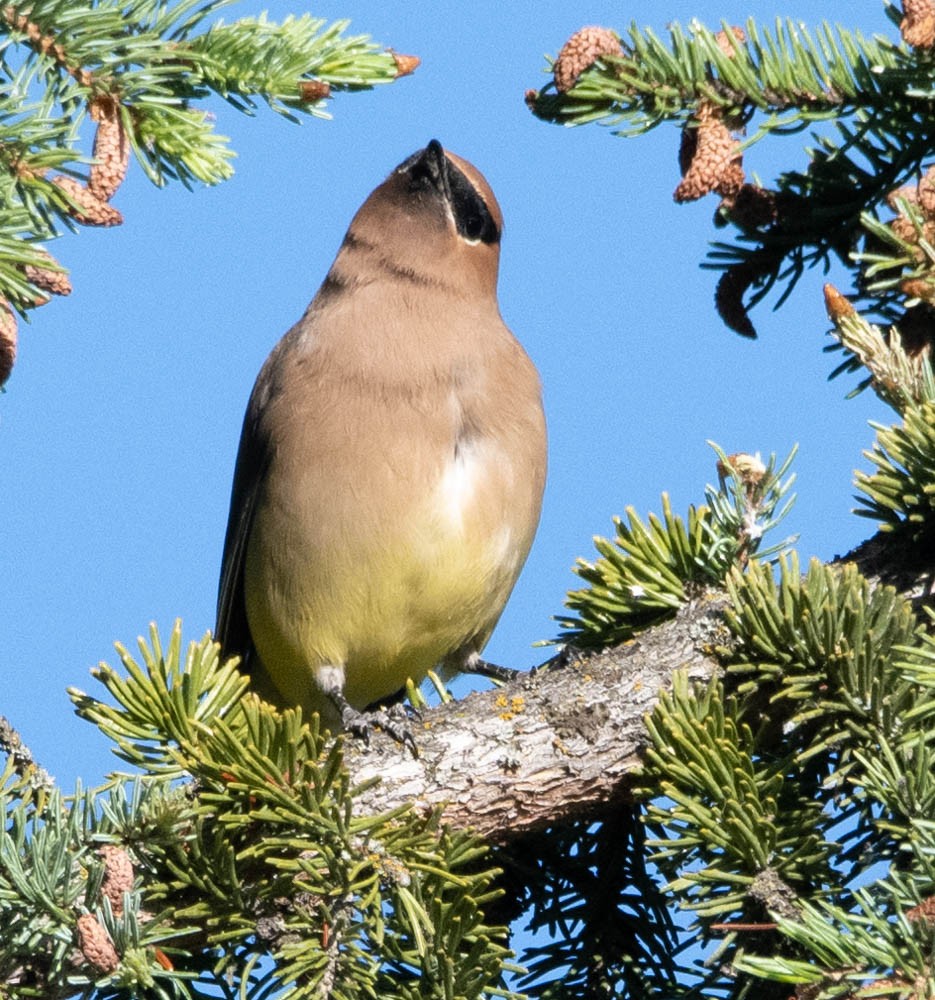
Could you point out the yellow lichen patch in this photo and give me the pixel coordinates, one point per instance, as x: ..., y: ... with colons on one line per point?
x: 510, y: 707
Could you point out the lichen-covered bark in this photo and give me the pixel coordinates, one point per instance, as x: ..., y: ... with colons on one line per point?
x: 559, y: 744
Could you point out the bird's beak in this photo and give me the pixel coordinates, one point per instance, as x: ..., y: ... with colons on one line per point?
x: 430, y: 163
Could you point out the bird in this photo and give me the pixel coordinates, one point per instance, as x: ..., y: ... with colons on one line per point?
x: 392, y: 461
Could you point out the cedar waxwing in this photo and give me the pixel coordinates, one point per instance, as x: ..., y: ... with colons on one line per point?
x: 392, y: 459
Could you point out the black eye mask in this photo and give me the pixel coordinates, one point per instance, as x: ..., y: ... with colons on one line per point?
x: 430, y: 169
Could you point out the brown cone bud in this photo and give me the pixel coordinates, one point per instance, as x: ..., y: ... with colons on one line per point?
x: 118, y: 875
x: 311, y: 91
x: 405, y: 64
x: 96, y: 945
x: 7, y: 341
x: 836, y: 304
x: 716, y: 162
x: 925, y: 911
x: 111, y: 151
x: 918, y: 24
x: 728, y: 298
x: 918, y: 288
x: 91, y: 211
x: 750, y: 468
x: 730, y: 45
x: 581, y: 51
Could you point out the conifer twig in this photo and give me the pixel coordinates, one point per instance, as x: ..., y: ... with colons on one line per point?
x: 11, y: 743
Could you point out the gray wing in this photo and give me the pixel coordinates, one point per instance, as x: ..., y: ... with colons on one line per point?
x: 232, y: 630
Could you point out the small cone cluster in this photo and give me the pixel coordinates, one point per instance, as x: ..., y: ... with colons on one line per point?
x: 311, y: 91
x: 921, y: 195
x: 111, y: 157
x: 749, y: 468
x: 711, y: 162
x: 730, y: 42
x: 710, y: 157
x: 94, y: 942
x: 48, y: 278
x: 581, y: 51
x: 752, y: 207
x: 90, y: 207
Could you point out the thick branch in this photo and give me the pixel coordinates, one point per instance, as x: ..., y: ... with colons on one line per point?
x: 565, y: 743
x: 556, y: 745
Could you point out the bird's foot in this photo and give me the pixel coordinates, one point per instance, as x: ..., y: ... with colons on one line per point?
x: 393, y: 721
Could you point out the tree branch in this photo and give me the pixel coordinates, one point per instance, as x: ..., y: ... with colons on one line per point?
x: 559, y: 744
x: 566, y: 742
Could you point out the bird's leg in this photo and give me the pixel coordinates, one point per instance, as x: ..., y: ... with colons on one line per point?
x: 474, y: 664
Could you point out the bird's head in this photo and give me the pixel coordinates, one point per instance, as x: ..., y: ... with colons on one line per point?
x: 436, y: 216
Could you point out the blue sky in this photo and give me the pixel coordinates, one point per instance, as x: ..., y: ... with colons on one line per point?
x: 120, y: 424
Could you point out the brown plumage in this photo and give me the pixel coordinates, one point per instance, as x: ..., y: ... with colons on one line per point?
x: 392, y: 458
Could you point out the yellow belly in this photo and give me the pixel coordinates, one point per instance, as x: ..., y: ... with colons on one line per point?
x: 385, y: 600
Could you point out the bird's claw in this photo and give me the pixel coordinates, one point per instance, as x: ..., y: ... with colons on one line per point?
x: 361, y: 724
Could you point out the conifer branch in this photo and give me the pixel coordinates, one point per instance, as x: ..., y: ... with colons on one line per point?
x: 138, y: 70
x: 729, y: 89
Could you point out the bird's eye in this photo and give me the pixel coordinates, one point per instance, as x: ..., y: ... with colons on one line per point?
x: 473, y: 226
x: 472, y: 218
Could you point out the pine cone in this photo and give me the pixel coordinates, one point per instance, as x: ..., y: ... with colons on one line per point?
x: 7, y: 341
x: 53, y: 282
x: 581, y: 51
x: 905, y: 229
x: 96, y: 945
x: 118, y: 875
x: 716, y: 163
x: 91, y: 211
x: 918, y: 24
x: 111, y: 151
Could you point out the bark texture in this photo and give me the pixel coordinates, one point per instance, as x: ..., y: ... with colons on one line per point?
x: 558, y: 744
x: 565, y: 742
